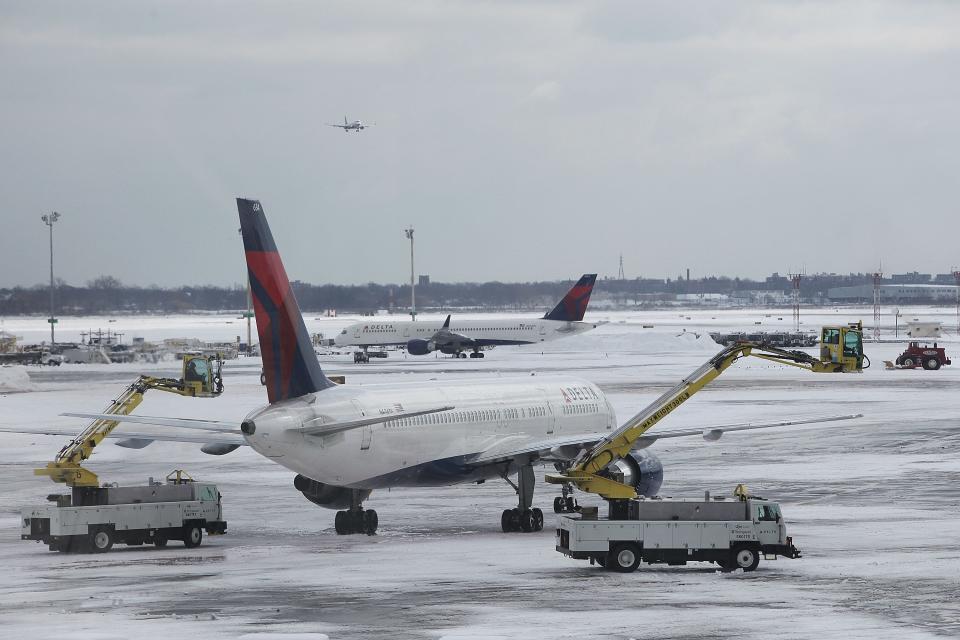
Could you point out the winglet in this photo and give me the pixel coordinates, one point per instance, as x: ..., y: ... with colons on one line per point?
x: 446, y: 323
x: 289, y: 361
x: 574, y: 304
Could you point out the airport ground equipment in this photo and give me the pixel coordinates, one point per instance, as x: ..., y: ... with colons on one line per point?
x: 93, y: 519
x: 201, y: 379
x: 917, y: 355
x: 732, y: 533
x: 604, y: 468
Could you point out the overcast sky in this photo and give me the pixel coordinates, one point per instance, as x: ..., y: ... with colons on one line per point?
x: 523, y: 140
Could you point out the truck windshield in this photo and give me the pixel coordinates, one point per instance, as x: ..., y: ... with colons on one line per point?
x: 852, y: 347
x: 768, y: 512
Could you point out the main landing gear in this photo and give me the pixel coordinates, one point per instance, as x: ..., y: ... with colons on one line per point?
x: 523, y: 518
x: 356, y: 519
x: 476, y: 354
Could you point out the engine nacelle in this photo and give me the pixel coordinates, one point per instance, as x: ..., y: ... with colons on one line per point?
x: 418, y: 347
x: 326, y: 495
x: 643, y: 471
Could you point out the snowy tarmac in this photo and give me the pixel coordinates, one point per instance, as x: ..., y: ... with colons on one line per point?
x: 872, y: 503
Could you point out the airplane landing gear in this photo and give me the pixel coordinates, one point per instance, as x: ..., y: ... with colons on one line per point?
x: 356, y: 519
x: 523, y: 518
x: 476, y: 354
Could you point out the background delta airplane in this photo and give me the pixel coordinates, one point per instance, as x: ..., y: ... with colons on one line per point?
x: 453, y: 338
x: 345, y: 441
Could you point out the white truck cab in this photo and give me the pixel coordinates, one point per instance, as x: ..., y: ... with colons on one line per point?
x: 732, y: 533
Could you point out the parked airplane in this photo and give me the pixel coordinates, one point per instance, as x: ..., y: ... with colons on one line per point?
x: 356, y: 125
x: 345, y: 441
x: 421, y: 338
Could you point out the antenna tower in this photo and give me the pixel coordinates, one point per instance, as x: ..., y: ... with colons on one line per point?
x: 620, y: 274
x: 795, y: 281
x: 877, y: 280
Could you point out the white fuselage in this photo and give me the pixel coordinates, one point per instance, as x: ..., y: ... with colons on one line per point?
x: 486, y: 332
x: 454, y: 446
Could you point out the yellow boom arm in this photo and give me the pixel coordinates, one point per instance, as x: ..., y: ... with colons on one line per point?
x: 589, y: 471
x: 201, y: 379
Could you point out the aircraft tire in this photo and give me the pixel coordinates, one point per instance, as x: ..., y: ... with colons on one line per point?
x: 558, y: 504
x: 528, y: 521
x: 538, y: 517
x: 370, y: 522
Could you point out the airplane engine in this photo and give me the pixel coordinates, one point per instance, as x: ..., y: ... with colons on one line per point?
x: 325, y: 495
x: 418, y: 347
x: 643, y: 471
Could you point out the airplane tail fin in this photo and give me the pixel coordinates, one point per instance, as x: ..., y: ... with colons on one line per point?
x: 344, y: 120
x: 446, y: 323
x: 574, y: 304
x: 289, y: 362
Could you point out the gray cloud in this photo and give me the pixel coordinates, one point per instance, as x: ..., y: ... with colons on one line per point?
x: 523, y: 140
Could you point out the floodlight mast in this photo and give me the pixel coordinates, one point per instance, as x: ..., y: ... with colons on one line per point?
x: 49, y: 219
x: 408, y: 232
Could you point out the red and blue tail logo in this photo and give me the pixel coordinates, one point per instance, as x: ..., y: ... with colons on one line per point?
x: 574, y: 304
x: 289, y: 362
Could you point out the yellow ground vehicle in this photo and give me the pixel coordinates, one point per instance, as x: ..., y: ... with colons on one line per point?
x: 842, y: 351
x: 201, y: 378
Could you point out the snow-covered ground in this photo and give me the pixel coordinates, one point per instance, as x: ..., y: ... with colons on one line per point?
x: 872, y: 503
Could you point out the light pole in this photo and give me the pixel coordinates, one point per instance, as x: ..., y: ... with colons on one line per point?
x: 413, y: 296
x: 49, y: 220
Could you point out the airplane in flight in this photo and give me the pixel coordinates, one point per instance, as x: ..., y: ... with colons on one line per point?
x: 356, y: 125
x: 344, y: 441
x: 423, y: 337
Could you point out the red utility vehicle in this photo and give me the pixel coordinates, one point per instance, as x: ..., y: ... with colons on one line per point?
x: 923, y: 356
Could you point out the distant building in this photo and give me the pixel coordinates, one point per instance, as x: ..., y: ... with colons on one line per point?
x: 911, y: 278
x: 424, y: 281
x: 895, y: 292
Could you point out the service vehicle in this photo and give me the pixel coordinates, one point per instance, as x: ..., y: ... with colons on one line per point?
x: 732, y: 533
x: 93, y: 519
x: 917, y: 355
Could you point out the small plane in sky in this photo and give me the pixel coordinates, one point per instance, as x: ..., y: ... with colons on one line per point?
x: 356, y: 125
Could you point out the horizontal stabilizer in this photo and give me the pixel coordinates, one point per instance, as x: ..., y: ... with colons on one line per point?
x: 135, y: 439
x: 317, y: 427
x: 185, y: 423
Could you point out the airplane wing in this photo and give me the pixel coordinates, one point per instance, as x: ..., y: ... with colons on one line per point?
x: 566, y: 447
x: 339, y: 126
x: 186, y: 423
x: 319, y: 426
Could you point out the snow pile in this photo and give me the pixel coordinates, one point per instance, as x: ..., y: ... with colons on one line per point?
x: 632, y: 338
x: 15, y: 379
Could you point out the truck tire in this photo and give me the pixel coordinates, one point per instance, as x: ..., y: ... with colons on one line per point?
x: 931, y: 364
x: 100, y: 540
x: 159, y: 541
x: 192, y: 535
x: 746, y: 558
x: 908, y: 363
x: 623, y: 557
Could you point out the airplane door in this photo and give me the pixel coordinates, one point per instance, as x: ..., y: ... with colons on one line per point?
x: 367, y: 431
x: 551, y: 417
x: 543, y: 329
x: 357, y: 332
x: 406, y: 331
